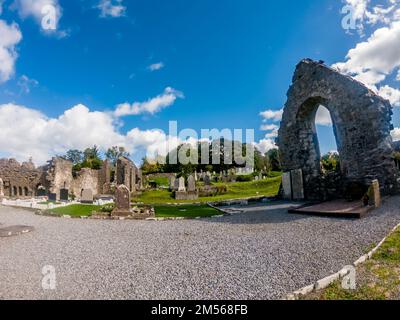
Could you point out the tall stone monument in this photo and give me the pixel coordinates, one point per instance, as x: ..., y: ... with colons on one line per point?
x: 122, y: 201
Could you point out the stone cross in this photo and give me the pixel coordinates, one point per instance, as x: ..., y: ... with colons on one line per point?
x: 122, y: 201
x: 181, y: 184
x: 191, y: 184
x: 1, y: 188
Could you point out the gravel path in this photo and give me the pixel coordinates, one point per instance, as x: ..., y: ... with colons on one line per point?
x: 261, y: 254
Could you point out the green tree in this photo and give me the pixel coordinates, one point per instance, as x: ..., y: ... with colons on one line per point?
x: 331, y: 162
x: 112, y: 154
x: 75, y: 156
x: 91, y: 153
x: 274, y: 157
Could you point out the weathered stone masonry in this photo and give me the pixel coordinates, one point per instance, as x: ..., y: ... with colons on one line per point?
x: 24, y: 180
x: 361, y: 124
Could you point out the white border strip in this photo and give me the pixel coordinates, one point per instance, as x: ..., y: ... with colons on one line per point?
x: 326, y: 282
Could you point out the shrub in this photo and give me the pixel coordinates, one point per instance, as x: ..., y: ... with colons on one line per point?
x: 246, y: 178
x: 108, y: 208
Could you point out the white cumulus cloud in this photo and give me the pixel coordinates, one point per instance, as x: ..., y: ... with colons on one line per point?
x: 274, y: 115
x: 151, y: 106
x: 323, y: 117
x: 26, y: 132
x: 111, y: 8
x: 37, y: 10
x: 10, y: 36
x: 156, y: 66
x: 265, y: 145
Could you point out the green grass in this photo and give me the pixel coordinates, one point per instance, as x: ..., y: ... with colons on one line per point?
x: 240, y: 190
x: 185, y: 211
x: 75, y: 210
x: 161, y: 181
x: 377, y: 279
x: 188, y: 211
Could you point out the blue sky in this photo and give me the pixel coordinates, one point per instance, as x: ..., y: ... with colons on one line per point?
x: 228, y: 60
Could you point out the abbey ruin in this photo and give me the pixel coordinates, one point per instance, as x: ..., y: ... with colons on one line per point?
x: 58, y: 181
x: 361, y: 124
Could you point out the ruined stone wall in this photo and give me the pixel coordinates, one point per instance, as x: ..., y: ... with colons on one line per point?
x: 86, y: 179
x: 59, y: 175
x: 24, y: 180
x: 20, y: 180
x: 128, y: 174
x: 361, y: 124
x: 104, y: 178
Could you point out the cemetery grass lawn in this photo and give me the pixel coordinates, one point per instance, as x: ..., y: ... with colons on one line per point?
x: 75, y: 210
x: 377, y: 279
x: 239, y: 190
x: 203, y: 211
x: 188, y: 211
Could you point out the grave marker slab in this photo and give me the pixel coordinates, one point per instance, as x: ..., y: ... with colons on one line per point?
x: 297, y: 184
x: 287, y: 186
x: 87, y: 196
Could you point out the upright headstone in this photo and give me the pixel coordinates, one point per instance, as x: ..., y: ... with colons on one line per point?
x: 207, y: 179
x: 1, y: 188
x: 196, y: 178
x: 52, y: 197
x: 172, y: 182
x: 375, y: 194
x: 41, y: 192
x: 122, y: 201
x: 181, y: 184
x: 191, y: 184
x: 260, y: 176
x: 87, y: 196
x: 64, y: 194
x: 297, y: 184
x: 176, y: 185
x: 287, y: 186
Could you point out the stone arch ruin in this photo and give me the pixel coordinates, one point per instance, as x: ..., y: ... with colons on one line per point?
x: 361, y: 124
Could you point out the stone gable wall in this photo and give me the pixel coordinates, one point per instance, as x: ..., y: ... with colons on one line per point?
x: 361, y: 124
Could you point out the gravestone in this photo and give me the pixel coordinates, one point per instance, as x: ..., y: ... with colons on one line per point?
x: 191, y: 184
x: 64, y: 194
x: 181, y: 184
x: 207, y: 179
x: 297, y: 184
x: 87, y: 196
x: 41, y: 192
x: 287, y: 186
x: 176, y: 185
x: 196, y: 178
x: 375, y: 194
x: 122, y: 201
x: 172, y: 182
x: 52, y: 197
x: 260, y: 177
x: 1, y: 188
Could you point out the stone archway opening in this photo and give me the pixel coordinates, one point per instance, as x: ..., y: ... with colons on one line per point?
x: 361, y: 123
x: 329, y: 154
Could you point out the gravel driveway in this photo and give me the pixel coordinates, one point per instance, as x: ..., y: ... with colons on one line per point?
x: 263, y: 253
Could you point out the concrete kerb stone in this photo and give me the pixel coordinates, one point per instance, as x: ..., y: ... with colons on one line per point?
x: 326, y: 282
